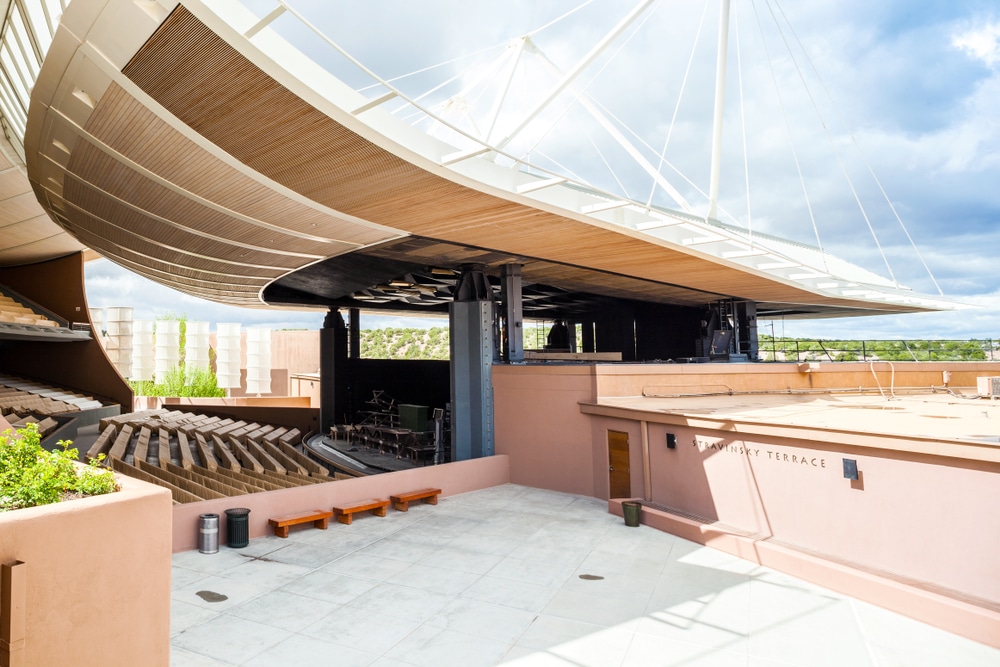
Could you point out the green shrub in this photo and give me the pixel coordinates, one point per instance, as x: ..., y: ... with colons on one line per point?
x: 30, y: 475
x: 198, y: 382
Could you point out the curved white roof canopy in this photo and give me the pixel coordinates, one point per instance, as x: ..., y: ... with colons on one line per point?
x: 197, y: 148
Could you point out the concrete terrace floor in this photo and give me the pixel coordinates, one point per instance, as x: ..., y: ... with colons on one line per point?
x: 522, y: 576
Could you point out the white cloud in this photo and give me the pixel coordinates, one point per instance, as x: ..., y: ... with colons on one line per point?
x: 981, y: 43
x: 980, y: 321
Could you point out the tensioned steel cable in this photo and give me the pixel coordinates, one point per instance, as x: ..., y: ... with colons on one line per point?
x: 743, y: 124
x: 861, y: 153
x: 788, y: 131
x: 833, y: 146
x: 677, y: 106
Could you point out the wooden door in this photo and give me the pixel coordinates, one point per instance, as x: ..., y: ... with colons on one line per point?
x: 619, y: 478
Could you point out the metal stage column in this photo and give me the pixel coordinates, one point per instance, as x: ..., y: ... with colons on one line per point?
x: 354, y: 333
x: 746, y: 317
x: 512, y: 339
x: 333, y: 373
x: 587, y: 335
x: 471, y: 320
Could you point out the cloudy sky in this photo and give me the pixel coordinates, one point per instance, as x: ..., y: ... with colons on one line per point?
x: 820, y: 94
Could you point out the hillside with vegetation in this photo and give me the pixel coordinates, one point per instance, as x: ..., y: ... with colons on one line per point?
x: 799, y: 349
x: 429, y: 343
x: 405, y: 343
x: 433, y: 344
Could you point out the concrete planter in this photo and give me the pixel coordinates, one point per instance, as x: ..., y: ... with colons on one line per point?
x: 95, y: 579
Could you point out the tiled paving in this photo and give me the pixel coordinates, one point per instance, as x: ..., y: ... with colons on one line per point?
x: 523, y: 577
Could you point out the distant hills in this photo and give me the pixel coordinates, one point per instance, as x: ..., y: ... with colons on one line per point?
x: 433, y: 344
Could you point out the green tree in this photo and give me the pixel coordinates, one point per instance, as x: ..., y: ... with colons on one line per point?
x: 30, y: 475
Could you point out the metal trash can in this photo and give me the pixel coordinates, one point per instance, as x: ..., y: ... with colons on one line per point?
x: 237, y: 527
x: 631, y: 510
x: 208, y: 533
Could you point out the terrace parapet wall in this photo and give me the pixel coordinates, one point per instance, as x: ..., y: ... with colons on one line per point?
x: 770, y: 486
x: 96, y: 577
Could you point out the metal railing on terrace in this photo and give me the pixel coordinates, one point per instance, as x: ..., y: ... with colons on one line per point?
x: 805, y: 349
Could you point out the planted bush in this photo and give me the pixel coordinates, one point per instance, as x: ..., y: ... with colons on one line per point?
x: 31, y: 475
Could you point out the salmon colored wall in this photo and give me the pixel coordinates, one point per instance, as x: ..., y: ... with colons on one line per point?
x: 98, y: 577
x: 537, y: 422
x: 295, y: 351
x: 306, y: 386
x: 951, y: 613
x: 716, y: 487
x: 637, y: 379
x: 451, y: 478
x: 911, y: 515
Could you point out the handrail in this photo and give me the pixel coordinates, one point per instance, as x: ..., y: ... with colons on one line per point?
x: 895, y: 350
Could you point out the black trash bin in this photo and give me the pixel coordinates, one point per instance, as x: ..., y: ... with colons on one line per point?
x: 237, y: 527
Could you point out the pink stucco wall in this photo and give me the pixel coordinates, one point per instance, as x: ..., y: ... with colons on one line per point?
x: 451, y: 478
x: 537, y: 423
x: 97, y: 577
x: 635, y: 379
x: 909, y: 515
x: 912, y: 518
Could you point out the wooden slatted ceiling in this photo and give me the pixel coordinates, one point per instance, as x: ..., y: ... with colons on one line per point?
x: 96, y: 167
x: 165, y: 258
x: 113, y: 217
x: 207, y: 84
x: 234, y: 295
x: 127, y: 126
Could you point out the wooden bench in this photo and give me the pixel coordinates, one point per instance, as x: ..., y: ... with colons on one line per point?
x: 319, y: 518
x: 345, y: 514
x: 402, y: 501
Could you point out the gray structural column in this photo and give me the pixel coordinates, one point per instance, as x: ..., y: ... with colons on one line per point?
x: 471, y: 320
x: 354, y: 322
x: 332, y: 370
x: 587, y: 337
x: 746, y: 316
x: 513, y: 331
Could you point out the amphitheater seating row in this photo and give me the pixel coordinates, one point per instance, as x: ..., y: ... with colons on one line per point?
x: 45, y: 426
x: 21, y: 395
x: 15, y: 312
x: 199, y: 457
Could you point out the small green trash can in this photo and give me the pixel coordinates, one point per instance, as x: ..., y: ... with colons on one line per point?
x: 631, y: 510
x: 237, y: 527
